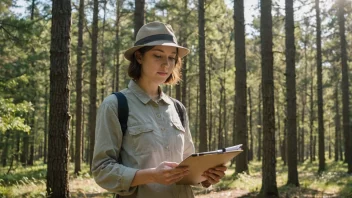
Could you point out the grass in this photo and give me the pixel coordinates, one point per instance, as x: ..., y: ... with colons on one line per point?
x: 334, y: 182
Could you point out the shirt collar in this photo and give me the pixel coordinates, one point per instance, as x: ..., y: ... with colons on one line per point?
x: 143, y: 97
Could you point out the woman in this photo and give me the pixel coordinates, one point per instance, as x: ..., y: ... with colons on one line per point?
x: 142, y: 162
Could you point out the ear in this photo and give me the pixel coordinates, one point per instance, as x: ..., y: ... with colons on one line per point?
x: 138, y: 57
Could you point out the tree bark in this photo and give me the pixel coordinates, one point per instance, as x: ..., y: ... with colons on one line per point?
x: 59, y: 117
x: 202, y: 80
x: 269, y: 187
x: 138, y: 15
x: 93, y: 81
x: 117, y: 44
x: 240, y: 87
x: 78, y: 139
x: 251, y: 144
x: 320, y: 92
x: 345, y: 87
x: 260, y: 124
x: 291, y: 95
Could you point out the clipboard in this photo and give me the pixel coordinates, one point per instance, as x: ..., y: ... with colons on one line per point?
x: 198, y: 164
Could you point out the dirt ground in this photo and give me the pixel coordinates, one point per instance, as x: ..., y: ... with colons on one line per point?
x: 225, y: 194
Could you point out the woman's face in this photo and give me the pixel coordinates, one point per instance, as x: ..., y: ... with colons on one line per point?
x: 157, y: 63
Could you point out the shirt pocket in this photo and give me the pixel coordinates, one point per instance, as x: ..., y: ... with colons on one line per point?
x: 179, y: 132
x: 142, y: 138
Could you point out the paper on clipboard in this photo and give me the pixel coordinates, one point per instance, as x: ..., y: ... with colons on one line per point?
x: 199, y: 163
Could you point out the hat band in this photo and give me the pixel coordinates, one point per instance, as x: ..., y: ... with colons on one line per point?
x: 155, y: 37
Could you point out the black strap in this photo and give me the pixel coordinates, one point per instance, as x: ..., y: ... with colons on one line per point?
x: 122, y: 110
x: 179, y: 109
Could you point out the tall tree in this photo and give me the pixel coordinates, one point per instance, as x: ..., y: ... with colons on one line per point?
x: 320, y: 91
x: 78, y: 150
x: 240, y: 87
x: 291, y: 95
x: 184, y: 33
x: 202, y: 80
x: 345, y: 89
x: 337, y: 121
x: 138, y: 15
x: 117, y: 43
x: 260, y: 124
x: 59, y: 117
x: 269, y: 187
x: 93, y: 81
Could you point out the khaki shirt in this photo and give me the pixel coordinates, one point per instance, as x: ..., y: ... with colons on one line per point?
x: 154, y: 134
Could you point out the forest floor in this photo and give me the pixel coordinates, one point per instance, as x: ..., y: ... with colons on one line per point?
x: 334, y: 182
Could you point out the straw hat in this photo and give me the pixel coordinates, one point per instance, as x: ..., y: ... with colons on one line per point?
x: 155, y: 33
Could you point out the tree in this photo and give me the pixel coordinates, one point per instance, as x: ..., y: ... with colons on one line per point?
x: 78, y: 150
x: 138, y: 15
x: 345, y: 89
x: 93, y: 81
x: 59, y: 118
x: 117, y: 43
x: 291, y: 95
x: 320, y: 91
x: 202, y: 80
x: 269, y: 187
x: 240, y: 87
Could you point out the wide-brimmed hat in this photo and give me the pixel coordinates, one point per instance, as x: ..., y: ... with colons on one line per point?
x: 155, y: 33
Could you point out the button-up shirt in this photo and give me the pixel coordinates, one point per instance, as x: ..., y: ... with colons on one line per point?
x: 154, y: 134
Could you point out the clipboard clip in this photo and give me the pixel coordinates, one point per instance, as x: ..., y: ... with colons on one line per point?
x: 223, y: 150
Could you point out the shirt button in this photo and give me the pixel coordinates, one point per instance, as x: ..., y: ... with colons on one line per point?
x: 167, y: 147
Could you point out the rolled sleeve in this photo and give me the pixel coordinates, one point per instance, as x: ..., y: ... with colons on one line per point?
x: 107, y: 171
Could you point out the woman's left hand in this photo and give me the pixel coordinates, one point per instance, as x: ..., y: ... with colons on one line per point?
x: 213, y: 175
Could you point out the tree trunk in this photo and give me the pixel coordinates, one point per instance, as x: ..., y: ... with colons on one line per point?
x: 251, y: 145
x: 291, y: 96
x: 78, y: 142
x: 220, y: 135
x: 269, y: 187
x: 93, y: 82
x: 210, y: 106
x: 260, y: 124
x: 345, y: 87
x: 5, y: 150
x: 138, y: 15
x: 311, y: 119
x: 196, y: 143
x: 320, y: 92
x: 59, y: 117
x: 117, y: 47
x: 46, y: 123
x: 25, y: 148
x: 184, y: 67
x: 103, y: 59
x: 337, y: 122
x: 202, y: 80
x: 72, y: 148
x: 240, y: 87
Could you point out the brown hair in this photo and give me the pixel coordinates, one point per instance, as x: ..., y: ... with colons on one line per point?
x: 135, y: 69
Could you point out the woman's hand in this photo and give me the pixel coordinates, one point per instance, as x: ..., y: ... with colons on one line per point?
x: 167, y: 173
x: 213, y: 175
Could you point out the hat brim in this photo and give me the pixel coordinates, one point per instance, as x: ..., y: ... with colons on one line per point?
x: 182, y: 51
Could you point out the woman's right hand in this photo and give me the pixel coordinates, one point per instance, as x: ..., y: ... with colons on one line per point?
x: 168, y: 173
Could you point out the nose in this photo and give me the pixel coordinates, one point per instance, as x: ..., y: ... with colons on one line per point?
x: 167, y: 62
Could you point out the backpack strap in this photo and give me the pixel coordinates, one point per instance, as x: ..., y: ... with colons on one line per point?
x: 123, y: 110
x: 179, y: 109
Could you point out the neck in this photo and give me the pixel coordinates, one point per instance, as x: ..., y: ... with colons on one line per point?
x: 150, y: 88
